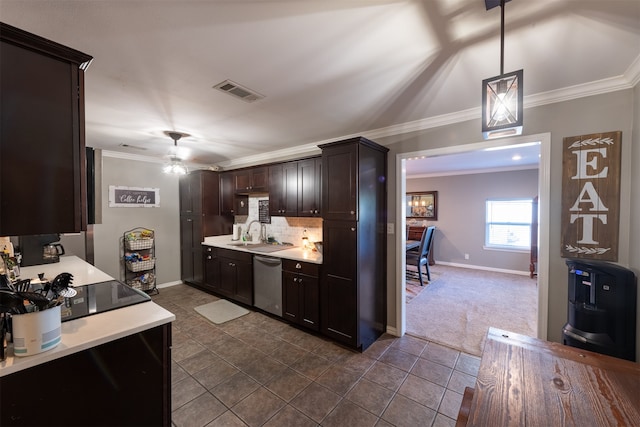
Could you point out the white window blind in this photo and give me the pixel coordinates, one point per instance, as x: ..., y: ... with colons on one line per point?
x: 508, y: 223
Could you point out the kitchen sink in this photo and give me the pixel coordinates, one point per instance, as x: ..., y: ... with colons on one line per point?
x: 262, y: 247
x: 252, y: 244
x: 270, y: 248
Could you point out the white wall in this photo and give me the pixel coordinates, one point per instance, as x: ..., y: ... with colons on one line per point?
x: 164, y: 220
x: 461, y: 215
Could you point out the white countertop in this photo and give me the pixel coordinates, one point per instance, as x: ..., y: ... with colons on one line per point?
x: 90, y: 331
x: 295, y: 253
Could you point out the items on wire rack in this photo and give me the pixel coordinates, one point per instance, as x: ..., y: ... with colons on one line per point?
x: 138, y: 257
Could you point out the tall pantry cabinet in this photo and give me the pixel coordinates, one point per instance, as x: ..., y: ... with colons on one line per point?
x: 200, y: 216
x: 354, y: 212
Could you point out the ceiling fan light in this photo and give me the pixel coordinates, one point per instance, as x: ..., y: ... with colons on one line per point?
x: 175, y: 167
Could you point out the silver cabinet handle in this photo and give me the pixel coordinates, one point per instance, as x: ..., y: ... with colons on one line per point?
x: 295, y: 279
x: 298, y: 265
x: 353, y: 212
x: 353, y: 229
x: 209, y: 257
x: 209, y: 249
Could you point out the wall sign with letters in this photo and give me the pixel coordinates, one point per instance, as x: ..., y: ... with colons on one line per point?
x: 133, y: 197
x: 591, y: 196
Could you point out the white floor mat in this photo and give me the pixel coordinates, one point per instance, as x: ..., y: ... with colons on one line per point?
x: 221, y: 311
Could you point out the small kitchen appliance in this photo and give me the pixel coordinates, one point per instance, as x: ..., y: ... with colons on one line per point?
x: 40, y: 249
x: 602, y: 308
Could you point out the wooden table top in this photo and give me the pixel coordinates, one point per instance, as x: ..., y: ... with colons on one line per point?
x: 525, y: 381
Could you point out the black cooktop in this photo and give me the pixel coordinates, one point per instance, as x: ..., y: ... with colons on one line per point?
x: 100, y: 297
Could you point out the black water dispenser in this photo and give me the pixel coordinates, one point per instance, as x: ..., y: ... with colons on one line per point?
x: 602, y: 309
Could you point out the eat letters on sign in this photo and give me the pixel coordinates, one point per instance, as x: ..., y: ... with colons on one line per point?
x: 591, y: 196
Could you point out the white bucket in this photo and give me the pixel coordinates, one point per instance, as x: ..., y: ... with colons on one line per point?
x: 36, y: 332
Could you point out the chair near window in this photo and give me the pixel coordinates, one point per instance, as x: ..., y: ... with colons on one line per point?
x: 421, y: 257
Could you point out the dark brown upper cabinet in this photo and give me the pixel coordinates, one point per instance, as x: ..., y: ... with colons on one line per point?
x: 309, y: 187
x: 251, y: 180
x: 283, y: 189
x: 340, y: 183
x: 42, y: 143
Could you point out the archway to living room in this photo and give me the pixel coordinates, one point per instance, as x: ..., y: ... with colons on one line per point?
x: 452, y: 274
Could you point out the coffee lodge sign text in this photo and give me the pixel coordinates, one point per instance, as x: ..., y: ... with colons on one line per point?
x: 591, y: 196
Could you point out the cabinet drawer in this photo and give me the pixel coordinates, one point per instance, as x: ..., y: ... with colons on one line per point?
x: 235, y: 255
x: 210, y: 251
x: 301, y: 267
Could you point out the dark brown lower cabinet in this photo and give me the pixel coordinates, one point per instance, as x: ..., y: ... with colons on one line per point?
x: 126, y: 382
x: 229, y: 273
x: 301, y: 293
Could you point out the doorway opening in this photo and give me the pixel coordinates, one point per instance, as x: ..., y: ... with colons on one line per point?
x: 543, y: 220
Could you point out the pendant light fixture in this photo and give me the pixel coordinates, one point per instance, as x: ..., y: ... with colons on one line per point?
x: 175, y: 165
x: 502, y: 96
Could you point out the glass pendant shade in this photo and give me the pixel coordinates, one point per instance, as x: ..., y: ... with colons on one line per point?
x: 502, y: 104
x: 175, y: 166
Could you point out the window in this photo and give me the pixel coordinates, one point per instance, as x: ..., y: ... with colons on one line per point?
x: 508, y: 224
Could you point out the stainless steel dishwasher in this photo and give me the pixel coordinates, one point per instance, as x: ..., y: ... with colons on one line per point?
x: 267, y: 284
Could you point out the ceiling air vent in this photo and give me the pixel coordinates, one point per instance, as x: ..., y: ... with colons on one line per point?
x: 133, y: 147
x: 238, y: 91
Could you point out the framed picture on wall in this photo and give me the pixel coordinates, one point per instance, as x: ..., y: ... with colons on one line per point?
x: 423, y: 205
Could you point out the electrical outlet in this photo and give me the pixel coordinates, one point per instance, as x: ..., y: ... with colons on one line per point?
x: 391, y: 228
x: 466, y: 256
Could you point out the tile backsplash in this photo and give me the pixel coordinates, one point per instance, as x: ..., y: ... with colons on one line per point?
x: 283, y: 229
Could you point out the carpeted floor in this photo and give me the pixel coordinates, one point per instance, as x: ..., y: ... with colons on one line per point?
x: 459, y: 305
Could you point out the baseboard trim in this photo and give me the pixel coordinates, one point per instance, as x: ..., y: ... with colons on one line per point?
x: 481, y: 267
x: 392, y: 331
x: 169, y: 284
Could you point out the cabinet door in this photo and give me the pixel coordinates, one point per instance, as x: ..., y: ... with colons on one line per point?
x: 191, y: 248
x: 309, y: 185
x: 242, y: 180
x: 244, y: 283
x: 227, y: 206
x: 251, y: 180
x: 338, y: 293
x: 184, y: 187
x: 290, y: 191
x: 260, y: 179
x: 42, y: 146
x: 228, y: 279
x: 186, y: 248
x: 283, y: 189
x: 211, y: 269
x: 339, y: 182
x: 290, y: 297
x: 309, y: 303
x: 276, y: 190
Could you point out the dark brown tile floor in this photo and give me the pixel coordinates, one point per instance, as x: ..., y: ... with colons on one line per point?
x: 260, y: 371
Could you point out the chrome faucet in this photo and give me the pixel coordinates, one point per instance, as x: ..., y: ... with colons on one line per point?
x: 263, y: 232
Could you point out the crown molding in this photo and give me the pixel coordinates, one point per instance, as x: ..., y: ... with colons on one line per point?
x: 628, y: 80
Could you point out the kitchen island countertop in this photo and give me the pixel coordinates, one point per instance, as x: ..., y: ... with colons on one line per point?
x: 294, y: 253
x: 87, y: 332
